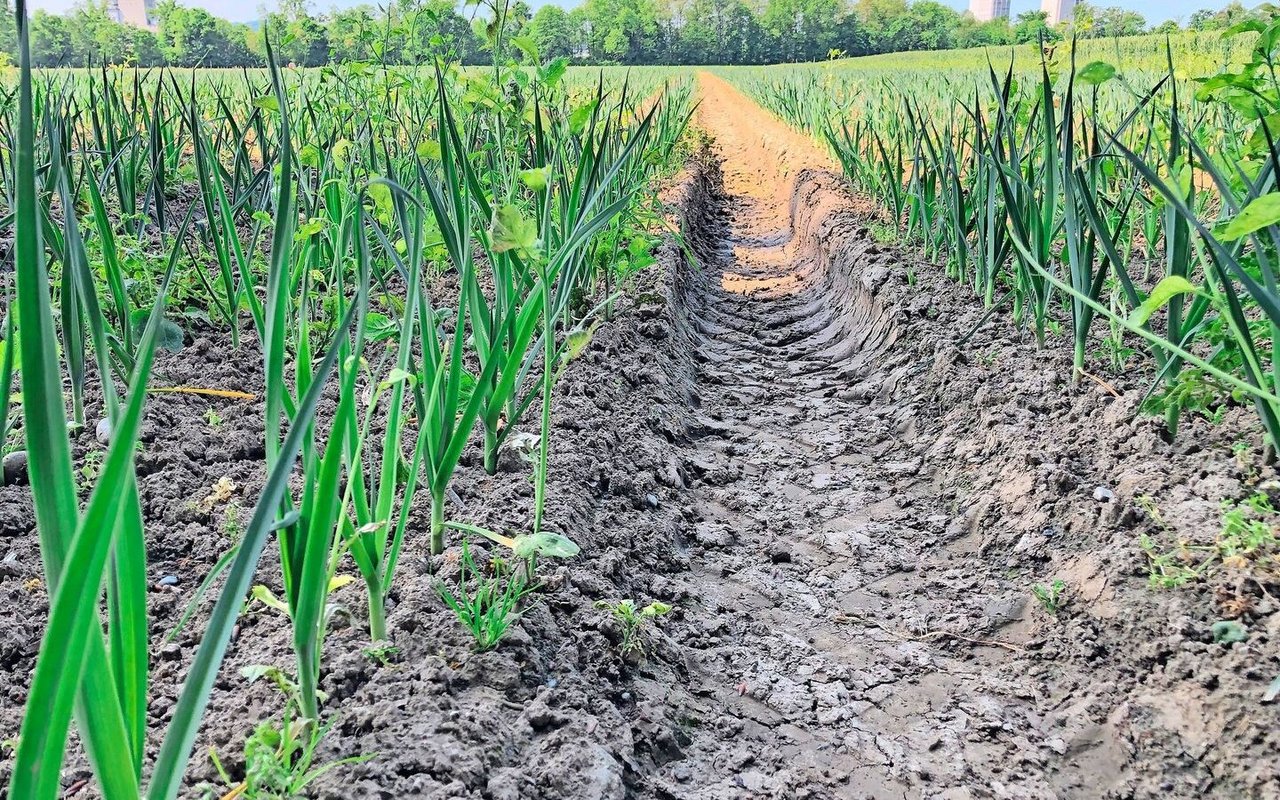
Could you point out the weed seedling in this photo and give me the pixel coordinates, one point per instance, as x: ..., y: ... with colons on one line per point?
x: 1148, y: 504
x: 486, y: 605
x: 279, y: 759
x: 1052, y: 596
x: 232, y: 528
x: 87, y: 475
x: 380, y: 653
x: 1241, y: 451
x: 1169, y: 569
x: 212, y: 418
x: 276, y: 676
x: 633, y: 621
x: 1247, y: 540
x: 1247, y: 531
x: 883, y: 233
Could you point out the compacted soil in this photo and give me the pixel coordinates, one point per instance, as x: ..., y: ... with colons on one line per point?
x: 779, y: 437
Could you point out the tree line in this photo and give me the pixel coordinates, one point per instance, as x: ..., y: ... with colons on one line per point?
x: 595, y: 32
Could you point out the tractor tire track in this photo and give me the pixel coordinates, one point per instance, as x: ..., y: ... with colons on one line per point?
x: 847, y: 651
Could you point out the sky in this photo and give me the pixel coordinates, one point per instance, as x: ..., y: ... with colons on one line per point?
x: 1156, y: 11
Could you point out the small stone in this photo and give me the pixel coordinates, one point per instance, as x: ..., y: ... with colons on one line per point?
x: 169, y: 580
x: 171, y: 652
x: 103, y: 432
x: 682, y: 773
x: 651, y: 500
x: 14, y: 468
x: 752, y: 780
x: 1103, y: 495
x: 10, y: 568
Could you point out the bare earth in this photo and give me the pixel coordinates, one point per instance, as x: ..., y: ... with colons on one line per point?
x: 780, y: 438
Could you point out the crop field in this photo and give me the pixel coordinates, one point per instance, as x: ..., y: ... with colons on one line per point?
x: 901, y: 426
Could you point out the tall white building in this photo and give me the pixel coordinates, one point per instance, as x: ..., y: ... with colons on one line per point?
x: 1058, y: 10
x: 987, y: 10
x: 132, y: 12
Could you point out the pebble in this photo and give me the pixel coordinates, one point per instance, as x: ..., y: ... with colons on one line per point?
x: 171, y: 652
x: 103, y: 431
x: 169, y: 580
x: 9, y: 568
x: 651, y: 500
x: 1103, y: 495
x: 14, y: 468
x: 752, y: 780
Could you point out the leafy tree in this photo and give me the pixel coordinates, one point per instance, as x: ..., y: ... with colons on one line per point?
x: 8, y: 34
x: 97, y: 38
x: 1033, y: 26
x: 624, y: 31
x: 1093, y: 22
x: 354, y: 33
x: 932, y: 24
x: 144, y: 48
x: 555, y: 32
x: 298, y: 37
x: 850, y: 37
x: 888, y: 25
x: 971, y: 33
x: 1208, y: 19
x: 192, y: 37
x: 801, y: 30
x: 712, y: 32
x: 597, y: 31
x: 430, y: 29
x: 723, y: 32
x: 51, y: 44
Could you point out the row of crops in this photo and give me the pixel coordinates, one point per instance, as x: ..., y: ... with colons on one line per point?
x: 1105, y: 198
x: 414, y: 254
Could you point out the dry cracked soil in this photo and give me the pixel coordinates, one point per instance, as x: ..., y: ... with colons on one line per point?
x: 779, y: 437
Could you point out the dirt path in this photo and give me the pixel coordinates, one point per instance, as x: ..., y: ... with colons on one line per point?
x: 853, y: 656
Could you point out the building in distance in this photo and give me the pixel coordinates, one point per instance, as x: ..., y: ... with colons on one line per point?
x: 987, y: 10
x: 137, y: 13
x: 1058, y: 10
